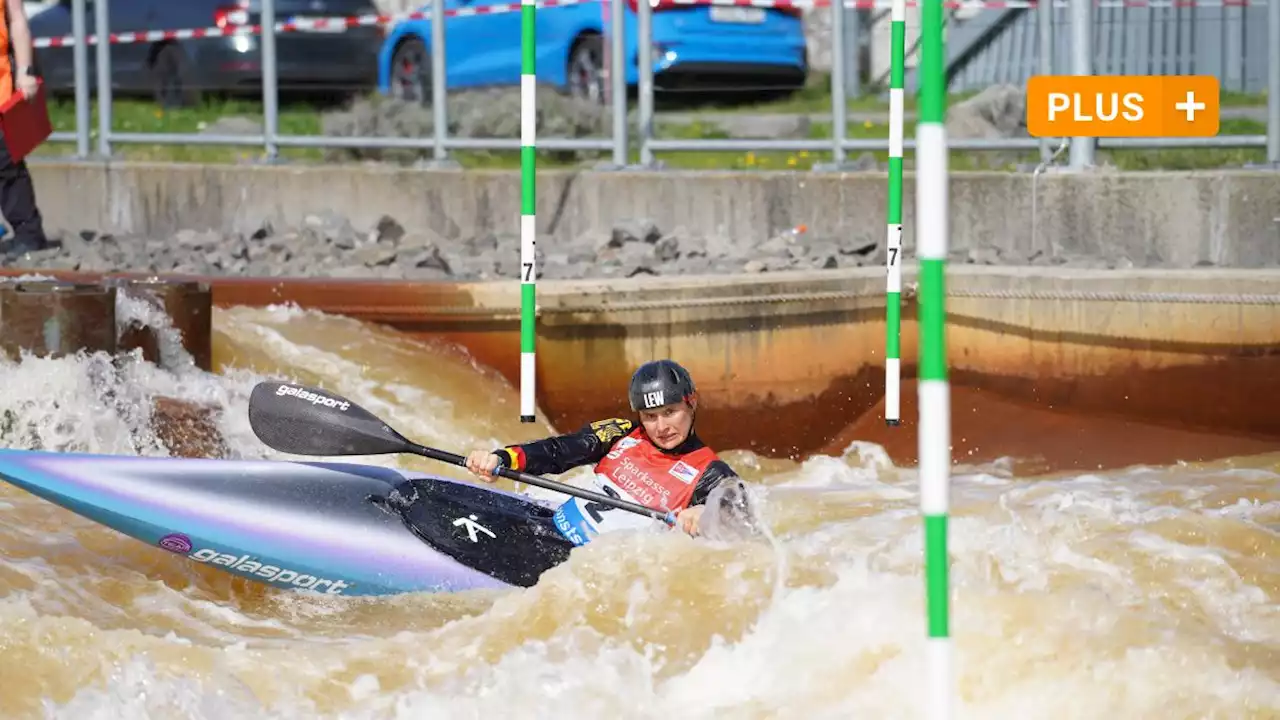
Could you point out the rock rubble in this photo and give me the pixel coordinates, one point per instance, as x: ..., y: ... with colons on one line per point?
x: 328, y: 245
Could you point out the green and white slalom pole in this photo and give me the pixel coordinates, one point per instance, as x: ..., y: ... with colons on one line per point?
x: 893, y: 253
x: 935, y: 394
x: 528, y: 211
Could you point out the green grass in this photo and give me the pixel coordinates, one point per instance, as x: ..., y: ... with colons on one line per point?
x: 1172, y: 159
x: 144, y: 116
x: 815, y: 97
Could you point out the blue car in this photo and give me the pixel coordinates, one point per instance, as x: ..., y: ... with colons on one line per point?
x: 695, y: 47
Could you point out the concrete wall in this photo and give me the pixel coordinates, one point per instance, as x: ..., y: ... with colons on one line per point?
x: 1229, y: 218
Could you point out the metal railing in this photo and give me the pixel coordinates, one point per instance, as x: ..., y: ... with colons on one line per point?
x: 440, y: 143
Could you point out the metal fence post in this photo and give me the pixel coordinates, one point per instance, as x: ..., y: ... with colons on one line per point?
x: 270, y: 86
x: 1044, y: 22
x: 618, y: 80
x: 853, y: 31
x: 1082, y: 148
x: 80, y: 54
x: 102, y: 33
x: 439, y: 84
x: 1232, y: 37
x: 839, y: 121
x: 1273, y: 82
x: 644, y: 47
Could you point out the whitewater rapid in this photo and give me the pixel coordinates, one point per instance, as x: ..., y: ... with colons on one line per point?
x: 1146, y: 592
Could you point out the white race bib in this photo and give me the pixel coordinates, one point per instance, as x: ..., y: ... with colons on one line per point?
x: 580, y: 520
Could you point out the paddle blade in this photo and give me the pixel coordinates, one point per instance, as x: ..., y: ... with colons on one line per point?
x: 302, y: 420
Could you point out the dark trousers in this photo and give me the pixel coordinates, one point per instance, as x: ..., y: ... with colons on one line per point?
x: 18, y: 203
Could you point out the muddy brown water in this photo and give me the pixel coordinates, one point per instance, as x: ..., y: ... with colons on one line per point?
x: 1148, y: 591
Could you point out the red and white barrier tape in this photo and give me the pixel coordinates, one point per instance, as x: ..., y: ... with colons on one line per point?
x: 339, y: 23
x: 300, y: 25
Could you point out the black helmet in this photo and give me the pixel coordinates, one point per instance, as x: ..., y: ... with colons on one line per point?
x: 659, y: 383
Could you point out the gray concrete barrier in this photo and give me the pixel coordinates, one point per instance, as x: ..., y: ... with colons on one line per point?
x: 1164, y: 219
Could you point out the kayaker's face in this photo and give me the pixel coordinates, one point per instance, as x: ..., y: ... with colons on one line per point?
x: 669, y: 425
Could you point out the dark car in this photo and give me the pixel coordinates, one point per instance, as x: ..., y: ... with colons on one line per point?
x: 177, y: 71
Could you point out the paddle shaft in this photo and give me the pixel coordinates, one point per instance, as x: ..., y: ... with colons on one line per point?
x: 528, y: 479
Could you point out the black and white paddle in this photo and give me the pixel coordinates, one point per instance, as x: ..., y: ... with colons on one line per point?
x: 303, y: 420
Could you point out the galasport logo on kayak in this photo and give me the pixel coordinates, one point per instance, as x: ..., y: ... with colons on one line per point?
x: 181, y: 544
x: 313, y: 398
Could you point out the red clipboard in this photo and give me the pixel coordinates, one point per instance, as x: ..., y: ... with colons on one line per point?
x: 25, y: 122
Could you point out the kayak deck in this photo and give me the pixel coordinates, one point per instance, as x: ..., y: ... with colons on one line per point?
x: 335, y: 528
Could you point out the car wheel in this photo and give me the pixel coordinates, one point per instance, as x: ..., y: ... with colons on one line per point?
x: 411, y: 72
x: 586, y: 70
x: 171, y: 79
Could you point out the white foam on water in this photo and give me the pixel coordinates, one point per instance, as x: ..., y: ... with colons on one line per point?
x: 411, y: 410
x: 172, y: 353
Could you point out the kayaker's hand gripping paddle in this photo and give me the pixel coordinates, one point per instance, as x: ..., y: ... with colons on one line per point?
x: 302, y: 420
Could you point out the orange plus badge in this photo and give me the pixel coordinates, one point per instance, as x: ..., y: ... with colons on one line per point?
x: 1122, y: 106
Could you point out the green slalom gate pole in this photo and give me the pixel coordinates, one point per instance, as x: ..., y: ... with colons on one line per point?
x: 528, y: 205
x: 934, y: 392
x: 893, y: 254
